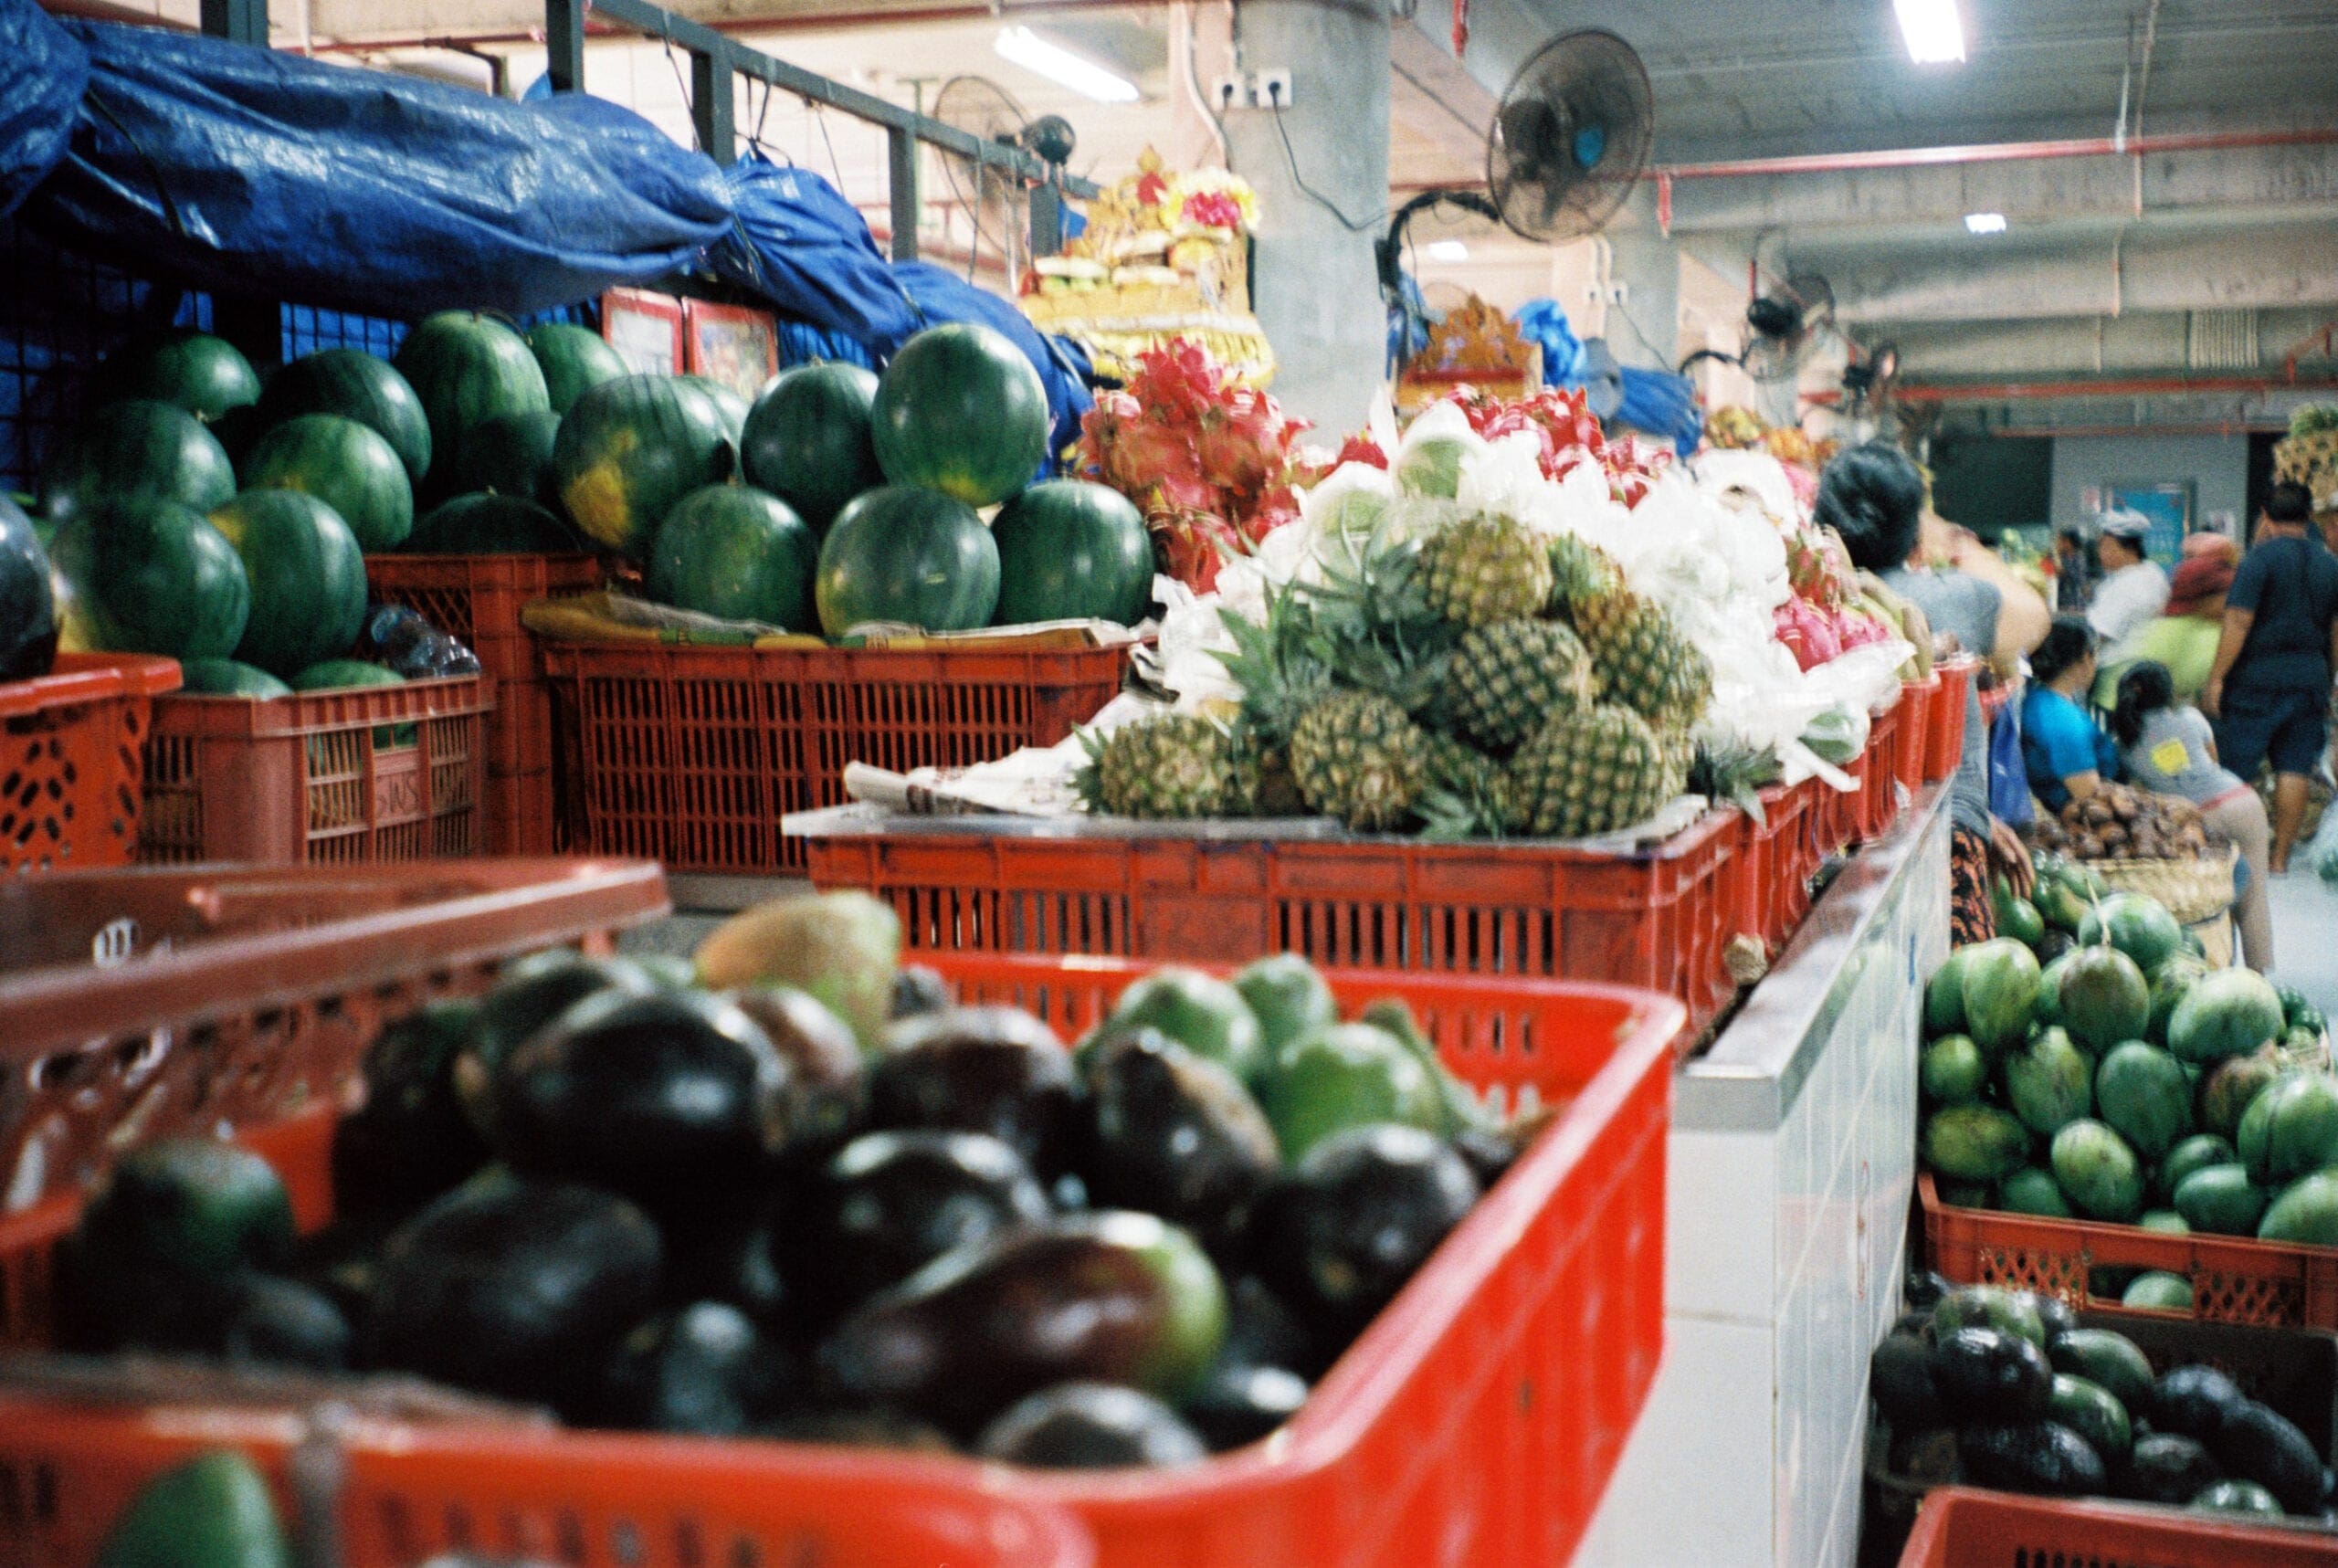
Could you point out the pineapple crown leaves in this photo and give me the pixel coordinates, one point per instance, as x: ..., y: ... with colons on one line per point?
x: 1088, y: 779
x: 1369, y: 621
x: 1278, y: 665
x: 1734, y: 772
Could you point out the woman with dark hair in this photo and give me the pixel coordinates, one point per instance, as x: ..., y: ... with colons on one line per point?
x: 2169, y: 750
x: 1872, y: 497
x: 2067, y: 754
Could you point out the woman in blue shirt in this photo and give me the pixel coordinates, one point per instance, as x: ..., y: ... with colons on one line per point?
x: 2066, y: 752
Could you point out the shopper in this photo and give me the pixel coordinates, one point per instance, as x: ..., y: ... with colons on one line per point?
x: 2074, y: 568
x: 1873, y: 495
x: 2167, y: 748
x: 2067, y: 753
x: 2134, y: 589
x: 2269, y: 691
x: 2183, y: 637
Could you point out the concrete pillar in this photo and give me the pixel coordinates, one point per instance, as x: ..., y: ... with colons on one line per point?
x: 1644, y: 326
x: 1318, y: 294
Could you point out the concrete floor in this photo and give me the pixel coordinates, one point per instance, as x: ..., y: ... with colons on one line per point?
x: 2306, y: 935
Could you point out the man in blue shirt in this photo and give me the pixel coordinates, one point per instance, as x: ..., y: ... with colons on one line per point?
x: 2269, y: 691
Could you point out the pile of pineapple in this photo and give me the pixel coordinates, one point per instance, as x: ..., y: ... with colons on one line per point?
x: 1483, y: 680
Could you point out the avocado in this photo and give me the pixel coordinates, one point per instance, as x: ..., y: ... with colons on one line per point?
x: 2054, y: 944
x: 195, y: 1205
x: 2168, y: 1222
x: 1339, y: 1234
x: 2257, y: 1443
x: 1173, y: 1133
x: 2232, y: 1085
x: 1489, y: 1152
x: 2291, y: 1128
x: 918, y: 989
x: 2141, y: 1092
x: 1944, y: 997
x: 891, y: 1203
x: 2193, y: 1401
x: 2099, y: 1173
x: 2001, y: 980
x: 731, y: 1258
x: 665, y: 1097
x: 2221, y: 1200
x: 2196, y: 1153
x: 2102, y: 996
x: 1924, y: 1288
x: 2054, y: 1315
x: 1261, y: 1330
x: 341, y: 1262
x: 1463, y: 1110
x: 1105, y: 1296
x: 409, y: 1141
x: 1990, y: 1306
x: 1200, y: 1012
x: 213, y: 1512
x: 1925, y: 1455
x: 2307, y: 1213
x: 1953, y: 1071
x: 996, y: 1071
x: 2043, y: 1457
x: 2109, y: 1360
x: 704, y: 1369
x: 531, y: 994
x: 110, y: 1299
x: 842, y: 947
x: 512, y: 1287
x: 1345, y: 1076
x: 1289, y: 998
x: 2235, y: 1497
x: 1900, y: 1379
x: 280, y: 1323
x: 1090, y: 1427
x: 1974, y: 1144
x: 667, y: 971
x: 2091, y: 1411
x: 1238, y: 1404
x: 820, y: 1102
x: 2032, y: 1192
x: 1985, y: 1374
x: 2166, y: 1468
x: 2158, y: 1291
x: 2169, y: 981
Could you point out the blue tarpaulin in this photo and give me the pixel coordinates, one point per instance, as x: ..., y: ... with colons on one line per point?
x: 44, y: 71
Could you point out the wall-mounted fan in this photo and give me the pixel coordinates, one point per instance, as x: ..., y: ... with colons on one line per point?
x: 996, y: 203
x: 1570, y: 137
x: 1782, y: 325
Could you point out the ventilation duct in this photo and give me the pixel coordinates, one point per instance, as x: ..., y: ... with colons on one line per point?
x: 2221, y: 340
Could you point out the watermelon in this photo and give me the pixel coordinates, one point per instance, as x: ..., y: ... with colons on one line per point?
x: 960, y: 410
x: 912, y: 556
x: 340, y: 675
x: 1070, y: 549
x: 227, y: 677
x: 355, y: 385
x: 138, y: 447
x: 206, y: 376
x: 27, y: 601
x: 469, y: 370
x: 732, y: 407
x: 739, y: 553
x: 510, y: 455
x: 629, y: 450
x: 491, y: 525
x: 148, y: 576
x: 808, y: 440
x: 344, y: 465
x: 573, y: 359
x: 307, y: 576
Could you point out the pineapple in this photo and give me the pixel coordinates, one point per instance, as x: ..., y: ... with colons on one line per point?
x: 1580, y: 570
x: 1589, y: 772
x: 1484, y: 569
x: 1468, y: 793
x: 1506, y: 678
x: 1358, y: 757
x: 1171, y: 765
x: 1264, y: 784
x: 1642, y: 659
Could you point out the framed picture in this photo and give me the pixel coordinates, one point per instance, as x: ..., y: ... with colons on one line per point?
x: 734, y: 345
x: 2168, y: 504
x: 645, y: 329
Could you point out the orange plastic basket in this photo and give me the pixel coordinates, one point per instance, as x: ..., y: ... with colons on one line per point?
x: 365, y: 773
x: 1916, y: 703
x: 476, y: 599
x: 1963, y: 1528
x: 1654, y: 917
x: 2233, y: 1280
x: 1766, y: 881
x: 692, y: 754
x: 72, y: 747
x: 1945, y: 733
x: 1879, y: 772
x: 1477, y: 1421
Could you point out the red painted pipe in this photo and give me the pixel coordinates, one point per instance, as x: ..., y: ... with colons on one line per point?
x: 2133, y: 386
x: 1996, y: 152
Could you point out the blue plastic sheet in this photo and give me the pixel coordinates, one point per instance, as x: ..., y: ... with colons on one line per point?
x: 1544, y: 322
x: 1661, y: 404
x: 248, y: 170
x: 44, y: 71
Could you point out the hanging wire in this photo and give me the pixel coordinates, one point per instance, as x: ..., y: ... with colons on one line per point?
x: 666, y: 32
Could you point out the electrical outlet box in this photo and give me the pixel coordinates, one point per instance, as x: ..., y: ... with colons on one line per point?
x: 1228, y: 92
x: 1619, y: 293
x: 1271, y: 88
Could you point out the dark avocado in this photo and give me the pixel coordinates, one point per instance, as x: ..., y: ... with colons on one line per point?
x: 1489, y: 1152
x: 1237, y: 1404
x: 2257, y: 1443
x: 704, y: 1369
x: 1914, y: 1322
x: 821, y: 1109
x: 2030, y: 1457
x: 1983, y: 1375
x: 1173, y: 1133
x: 279, y: 1322
x: 531, y: 993
x: 891, y: 1203
x: 2192, y: 1401
x: 918, y: 990
x: 1899, y: 1378
x: 193, y: 1204
x: 513, y: 1288
x: 2167, y: 1469
x: 1069, y: 1193
x: 2106, y: 1358
x: 1106, y: 1295
x: 110, y: 1297
x: 1262, y: 1331
x: 410, y: 1140
x: 1990, y: 1306
x: 658, y: 1096
x: 1923, y: 1289
x: 2054, y: 1314
x: 2237, y: 1497
x: 343, y: 1261
x: 2054, y: 944
x: 1090, y: 1427
x: 1339, y: 1234
x: 979, y: 1069
x: 1926, y: 1454
x: 730, y: 1258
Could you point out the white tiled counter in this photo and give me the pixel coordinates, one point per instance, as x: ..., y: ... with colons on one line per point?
x: 1791, y: 1164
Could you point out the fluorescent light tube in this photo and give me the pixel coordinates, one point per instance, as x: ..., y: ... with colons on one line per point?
x: 1984, y: 223
x: 1934, y: 33
x: 1061, y: 66
x: 1447, y: 251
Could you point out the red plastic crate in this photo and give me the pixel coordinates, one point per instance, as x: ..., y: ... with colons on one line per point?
x: 1917, y: 700
x: 363, y: 773
x: 693, y: 754
x: 1655, y: 918
x: 2234, y: 1281
x: 1961, y: 1527
x: 72, y: 748
x: 1878, y: 797
x: 1477, y: 1421
x: 1944, y: 735
x: 476, y: 599
x: 1768, y: 883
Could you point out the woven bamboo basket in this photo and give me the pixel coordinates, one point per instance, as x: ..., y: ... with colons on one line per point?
x: 2193, y: 890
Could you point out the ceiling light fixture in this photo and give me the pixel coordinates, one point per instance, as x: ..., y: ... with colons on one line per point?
x: 1045, y: 57
x: 1984, y: 223
x: 1447, y: 251
x: 1935, y: 35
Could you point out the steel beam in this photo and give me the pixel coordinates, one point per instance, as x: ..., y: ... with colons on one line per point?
x: 564, y: 45
x: 237, y: 21
x: 713, y: 95
x: 900, y: 163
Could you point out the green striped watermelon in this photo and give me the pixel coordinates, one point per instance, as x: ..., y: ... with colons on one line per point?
x: 808, y: 440
x: 27, y: 598
x: 344, y: 465
x: 342, y: 675
x: 206, y: 376
x: 491, y: 525
x: 960, y: 410
x: 510, y: 455
x: 732, y: 407
x: 908, y: 555
x: 140, y: 448
x: 468, y: 370
x: 228, y: 678
x: 572, y: 358
x: 307, y: 576
x: 147, y: 575
x: 739, y: 553
x: 1070, y: 549
x: 629, y: 450
x: 355, y: 385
